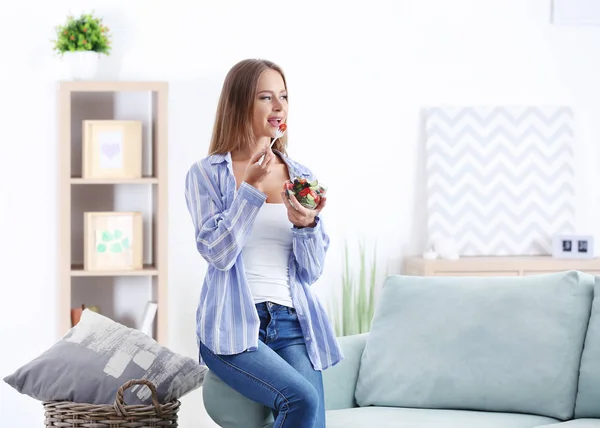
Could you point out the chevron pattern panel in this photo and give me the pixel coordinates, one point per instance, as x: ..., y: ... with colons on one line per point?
x: 500, y: 180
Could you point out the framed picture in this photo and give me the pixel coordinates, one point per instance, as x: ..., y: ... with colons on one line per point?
x: 112, y: 241
x: 573, y: 246
x: 112, y: 149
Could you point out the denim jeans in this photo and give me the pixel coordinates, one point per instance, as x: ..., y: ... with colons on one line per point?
x: 279, y: 374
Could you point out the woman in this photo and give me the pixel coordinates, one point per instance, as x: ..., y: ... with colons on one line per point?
x: 260, y: 327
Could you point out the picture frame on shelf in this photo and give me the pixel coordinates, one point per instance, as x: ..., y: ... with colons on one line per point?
x: 573, y: 247
x: 112, y: 149
x: 113, y: 241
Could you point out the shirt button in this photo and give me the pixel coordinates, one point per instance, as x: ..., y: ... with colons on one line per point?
x: 307, y: 337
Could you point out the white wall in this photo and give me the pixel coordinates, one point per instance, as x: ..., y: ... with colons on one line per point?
x: 359, y: 73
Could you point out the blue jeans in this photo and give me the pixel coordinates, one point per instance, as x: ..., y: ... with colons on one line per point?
x: 279, y: 374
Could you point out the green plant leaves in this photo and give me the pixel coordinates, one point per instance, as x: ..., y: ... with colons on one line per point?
x: 86, y: 33
x: 355, y: 313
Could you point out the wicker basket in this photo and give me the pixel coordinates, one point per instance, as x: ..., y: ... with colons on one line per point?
x: 65, y: 414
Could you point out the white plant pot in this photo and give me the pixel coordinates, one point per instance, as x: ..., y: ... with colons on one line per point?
x: 82, y: 65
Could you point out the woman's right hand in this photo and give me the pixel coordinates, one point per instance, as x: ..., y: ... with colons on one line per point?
x: 255, y: 172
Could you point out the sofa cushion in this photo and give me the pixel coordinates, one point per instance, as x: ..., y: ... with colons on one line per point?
x: 99, y: 355
x: 339, y: 381
x: 576, y: 423
x: 390, y: 417
x: 505, y: 344
x: 588, y: 395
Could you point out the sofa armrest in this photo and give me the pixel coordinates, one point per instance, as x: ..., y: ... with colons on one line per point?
x: 339, y: 381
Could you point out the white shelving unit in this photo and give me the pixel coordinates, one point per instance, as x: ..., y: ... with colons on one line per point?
x: 120, y: 295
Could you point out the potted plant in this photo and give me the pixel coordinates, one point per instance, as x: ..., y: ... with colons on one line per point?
x: 81, y: 41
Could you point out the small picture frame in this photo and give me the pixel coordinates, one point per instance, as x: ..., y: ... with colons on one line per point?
x: 111, y: 149
x: 113, y: 241
x: 573, y: 246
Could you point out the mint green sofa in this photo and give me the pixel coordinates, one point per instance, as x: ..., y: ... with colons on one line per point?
x: 464, y: 352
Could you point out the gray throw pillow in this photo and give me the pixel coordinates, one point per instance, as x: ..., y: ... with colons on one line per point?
x: 96, y: 357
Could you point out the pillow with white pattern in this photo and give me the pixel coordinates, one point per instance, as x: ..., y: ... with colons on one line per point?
x: 99, y: 355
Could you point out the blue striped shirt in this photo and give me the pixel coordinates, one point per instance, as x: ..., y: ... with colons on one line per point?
x: 227, y: 320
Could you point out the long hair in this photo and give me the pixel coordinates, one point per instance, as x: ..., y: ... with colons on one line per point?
x: 233, y: 121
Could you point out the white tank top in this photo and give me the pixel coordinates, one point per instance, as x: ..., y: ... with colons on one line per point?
x: 266, y: 255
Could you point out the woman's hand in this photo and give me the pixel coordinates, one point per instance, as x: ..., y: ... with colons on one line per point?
x: 298, y: 215
x: 255, y: 172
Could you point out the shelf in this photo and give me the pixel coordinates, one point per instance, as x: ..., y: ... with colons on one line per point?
x: 143, y: 180
x: 498, y: 266
x: 124, y: 293
x: 112, y: 86
x: 77, y: 270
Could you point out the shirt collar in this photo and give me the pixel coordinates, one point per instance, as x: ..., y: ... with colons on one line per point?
x: 226, y: 157
x: 220, y: 157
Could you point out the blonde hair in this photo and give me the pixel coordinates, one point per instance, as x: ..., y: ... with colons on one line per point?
x: 233, y: 121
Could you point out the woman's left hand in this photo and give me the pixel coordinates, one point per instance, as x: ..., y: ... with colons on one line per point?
x: 298, y: 215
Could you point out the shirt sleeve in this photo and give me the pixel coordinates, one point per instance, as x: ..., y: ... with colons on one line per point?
x: 310, y: 245
x: 220, y: 232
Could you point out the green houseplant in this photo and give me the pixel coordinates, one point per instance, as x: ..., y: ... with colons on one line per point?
x: 354, y: 312
x: 80, y: 41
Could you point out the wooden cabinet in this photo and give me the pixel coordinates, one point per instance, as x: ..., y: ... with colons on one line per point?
x: 497, y: 266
